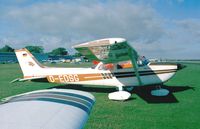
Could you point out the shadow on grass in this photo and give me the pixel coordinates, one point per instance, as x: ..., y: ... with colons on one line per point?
x: 143, y: 92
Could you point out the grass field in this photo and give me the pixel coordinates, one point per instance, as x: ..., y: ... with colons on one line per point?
x: 179, y: 110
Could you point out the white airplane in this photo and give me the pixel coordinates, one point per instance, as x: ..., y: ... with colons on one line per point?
x: 119, y: 66
x: 46, y: 109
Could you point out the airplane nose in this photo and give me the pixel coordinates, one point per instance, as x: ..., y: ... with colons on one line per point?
x: 180, y: 66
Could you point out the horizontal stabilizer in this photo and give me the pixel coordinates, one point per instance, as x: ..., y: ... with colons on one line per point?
x: 27, y: 79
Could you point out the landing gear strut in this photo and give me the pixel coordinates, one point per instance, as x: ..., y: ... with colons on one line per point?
x: 159, y: 91
x: 119, y: 95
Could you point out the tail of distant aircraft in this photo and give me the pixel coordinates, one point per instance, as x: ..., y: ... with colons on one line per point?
x: 29, y: 65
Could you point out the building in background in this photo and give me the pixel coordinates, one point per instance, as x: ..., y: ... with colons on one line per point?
x: 10, y: 57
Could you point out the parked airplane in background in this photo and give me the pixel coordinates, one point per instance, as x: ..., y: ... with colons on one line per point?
x: 117, y: 64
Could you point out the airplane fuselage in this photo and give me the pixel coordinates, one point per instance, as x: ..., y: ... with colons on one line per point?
x: 149, y: 74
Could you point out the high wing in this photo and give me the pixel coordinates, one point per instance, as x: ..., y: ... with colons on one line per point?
x: 110, y: 50
x: 46, y: 109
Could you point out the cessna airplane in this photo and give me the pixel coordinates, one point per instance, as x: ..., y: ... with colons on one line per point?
x: 117, y: 64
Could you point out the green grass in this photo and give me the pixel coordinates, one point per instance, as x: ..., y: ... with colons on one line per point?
x: 137, y: 113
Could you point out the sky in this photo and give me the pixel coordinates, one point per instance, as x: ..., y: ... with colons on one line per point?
x: 155, y: 28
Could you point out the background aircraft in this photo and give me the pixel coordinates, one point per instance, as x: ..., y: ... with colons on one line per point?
x: 119, y: 65
x: 46, y: 109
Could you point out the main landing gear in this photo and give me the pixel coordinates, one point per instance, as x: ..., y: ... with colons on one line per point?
x: 159, y: 91
x: 119, y: 95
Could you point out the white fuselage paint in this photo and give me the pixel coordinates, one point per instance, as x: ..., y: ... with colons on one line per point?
x: 150, y: 74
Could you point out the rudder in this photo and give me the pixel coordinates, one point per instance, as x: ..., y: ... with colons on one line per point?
x: 29, y: 65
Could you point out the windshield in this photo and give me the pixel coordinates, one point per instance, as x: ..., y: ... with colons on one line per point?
x: 142, y: 61
x: 106, y: 67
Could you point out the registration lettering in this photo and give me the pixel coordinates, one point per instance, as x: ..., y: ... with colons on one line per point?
x: 63, y: 78
x: 51, y: 78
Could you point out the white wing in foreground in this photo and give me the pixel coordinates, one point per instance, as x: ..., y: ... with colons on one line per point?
x: 46, y: 109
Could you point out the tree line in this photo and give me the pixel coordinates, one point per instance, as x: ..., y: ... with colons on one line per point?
x: 39, y: 49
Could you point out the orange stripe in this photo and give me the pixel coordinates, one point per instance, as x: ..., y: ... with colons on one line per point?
x: 73, y: 77
x: 88, y: 77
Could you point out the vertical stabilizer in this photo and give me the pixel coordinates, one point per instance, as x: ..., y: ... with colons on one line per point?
x: 29, y: 65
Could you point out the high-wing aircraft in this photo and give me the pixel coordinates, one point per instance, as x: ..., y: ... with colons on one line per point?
x: 117, y: 64
x: 46, y: 109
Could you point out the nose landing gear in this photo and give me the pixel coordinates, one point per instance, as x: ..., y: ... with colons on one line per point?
x: 119, y: 95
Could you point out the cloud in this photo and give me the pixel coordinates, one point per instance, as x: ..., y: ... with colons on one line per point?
x: 190, y: 26
x: 64, y: 24
x: 181, y: 39
x: 80, y: 22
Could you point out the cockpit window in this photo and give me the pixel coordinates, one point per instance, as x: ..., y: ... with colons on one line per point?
x: 124, y: 65
x: 106, y: 67
x: 142, y: 61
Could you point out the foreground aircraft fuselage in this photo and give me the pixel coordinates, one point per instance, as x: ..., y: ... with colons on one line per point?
x: 121, y: 73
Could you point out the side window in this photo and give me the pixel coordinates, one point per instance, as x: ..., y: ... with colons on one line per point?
x: 119, y: 66
x: 124, y: 65
x: 106, y: 67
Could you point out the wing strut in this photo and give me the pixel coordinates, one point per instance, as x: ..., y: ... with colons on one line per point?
x: 134, y: 63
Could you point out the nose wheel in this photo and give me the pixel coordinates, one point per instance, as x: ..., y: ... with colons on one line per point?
x: 119, y: 95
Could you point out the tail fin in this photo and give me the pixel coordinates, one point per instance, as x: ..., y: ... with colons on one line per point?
x: 29, y: 65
